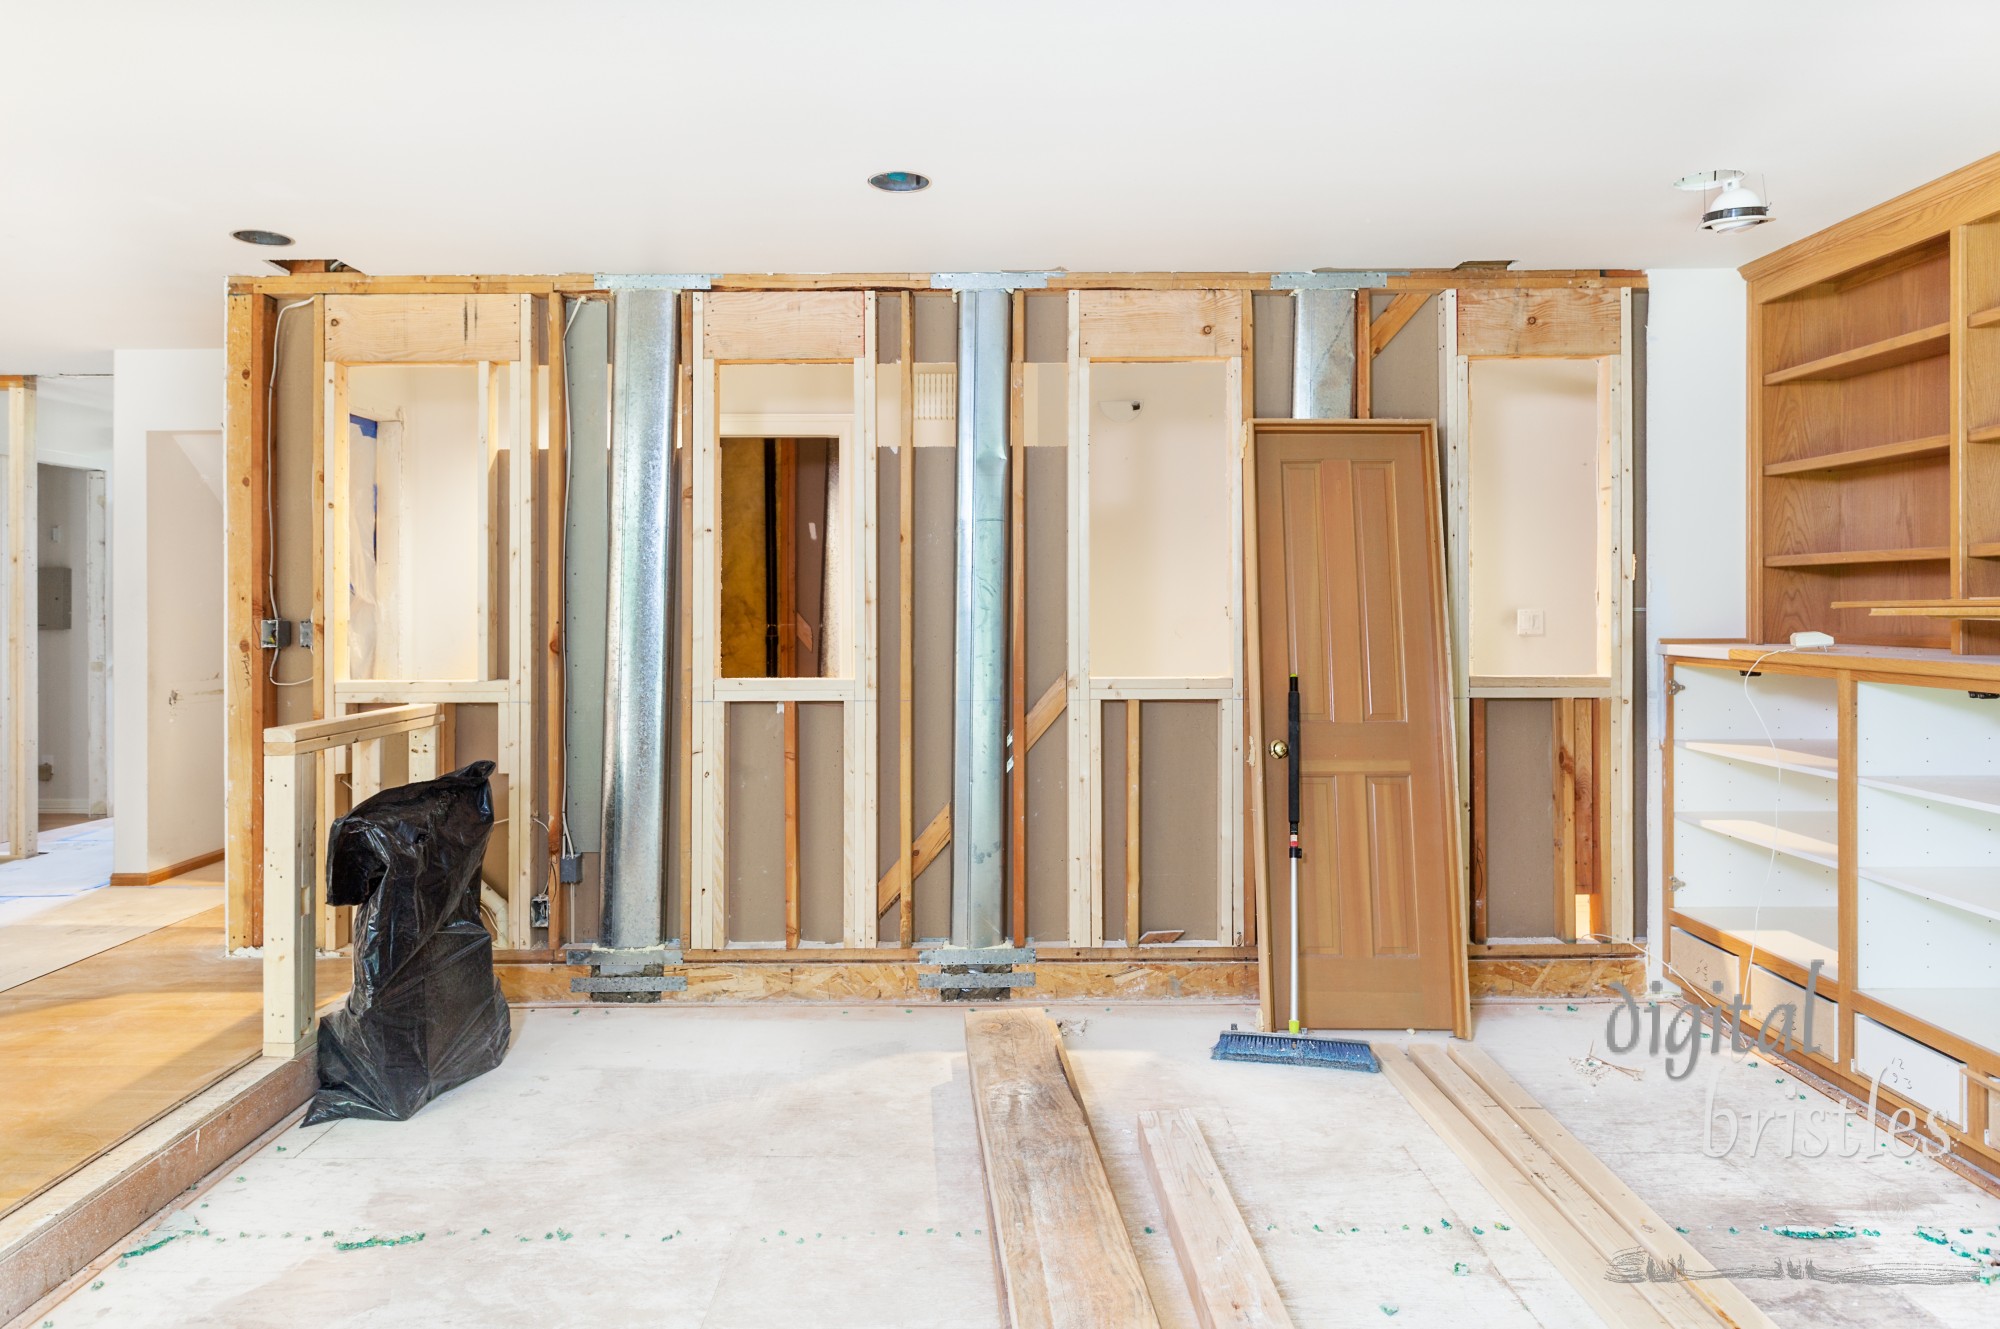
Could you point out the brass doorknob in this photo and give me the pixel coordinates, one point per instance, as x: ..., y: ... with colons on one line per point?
x: 1280, y: 749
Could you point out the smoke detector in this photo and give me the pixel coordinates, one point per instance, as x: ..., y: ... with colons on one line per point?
x: 1735, y: 207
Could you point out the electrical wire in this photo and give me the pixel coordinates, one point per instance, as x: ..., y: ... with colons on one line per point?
x: 270, y: 446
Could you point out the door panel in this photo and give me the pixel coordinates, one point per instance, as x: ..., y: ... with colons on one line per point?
x: 1350, y: 558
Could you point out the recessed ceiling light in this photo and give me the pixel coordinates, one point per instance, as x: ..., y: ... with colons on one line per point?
x: 255, y: 237
x: 900, y: 182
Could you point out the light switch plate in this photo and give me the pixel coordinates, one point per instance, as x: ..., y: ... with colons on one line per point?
x: 1530, y: 622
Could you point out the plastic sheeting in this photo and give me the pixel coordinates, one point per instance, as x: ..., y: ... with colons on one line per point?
x: 425, y: 1014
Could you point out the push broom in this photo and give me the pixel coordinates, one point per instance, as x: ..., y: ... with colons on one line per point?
x: 1294, y: 1048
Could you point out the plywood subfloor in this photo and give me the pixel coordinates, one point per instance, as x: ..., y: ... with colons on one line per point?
x: 43, y: 934
x: 757, y: 1166
x: 94, y: 1051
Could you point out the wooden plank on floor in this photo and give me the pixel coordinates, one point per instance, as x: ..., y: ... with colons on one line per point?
x: 1063, y: 1257
x: 1622, y: 1304
x: 1226, y: 1277
x: 1648, y: 1229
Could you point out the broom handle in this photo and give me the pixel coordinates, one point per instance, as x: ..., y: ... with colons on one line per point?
x: 1292, y: 811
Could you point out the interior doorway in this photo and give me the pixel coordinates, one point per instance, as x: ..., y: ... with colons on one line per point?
x: 1350, y: 563
x: 73, y: 647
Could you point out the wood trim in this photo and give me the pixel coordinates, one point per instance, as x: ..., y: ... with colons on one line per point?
x: 155, y: 876
x: 1909, y: 219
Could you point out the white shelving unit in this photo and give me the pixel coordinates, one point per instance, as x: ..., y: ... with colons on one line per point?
x: 1758, y: 881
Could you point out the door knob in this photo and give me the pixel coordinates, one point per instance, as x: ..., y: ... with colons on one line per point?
x: 1280, y: 749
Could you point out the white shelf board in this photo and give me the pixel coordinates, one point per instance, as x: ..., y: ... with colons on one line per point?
x: 1799, y: 933
x: 1971, y: 1013
x: 1812, y: 836
x: 1975, y: 890
x: 1808, y: 756
x: 1981, y: 792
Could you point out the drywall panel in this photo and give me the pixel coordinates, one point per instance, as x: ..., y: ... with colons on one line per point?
x: 786, y: 389
x: 1536, y: 439
x: 586, y: 564
x: 1271, y: 363
x: 1403, y: 383
x: 933, y: 616
x: 183, y: 645
x: 73, y: 422
x: 934, y: 327
x: 822, y: 834
x: 889, y: 644
x: 1178, y: 816
x: 63, y: 653
x: 1160, y: 558
x: 1045, y: 406
x: 432, y: 525
x: 1047, y: 328
x: 1694, y: 508
x: 1048, y: 659
x: 155, y: 392
x: 1520, y: 818
x: 753, y: 822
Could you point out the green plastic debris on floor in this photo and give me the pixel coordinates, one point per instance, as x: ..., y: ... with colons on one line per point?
x: 407, y: 1239
x: 1838, y: 1232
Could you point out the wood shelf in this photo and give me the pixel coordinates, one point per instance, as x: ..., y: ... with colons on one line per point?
x: 1905, y: 348
x: 1938, y: 445
x: 1983, y: 434
x: 1807, y: 756
x: 1981, y: 793
x: 1984, y: 549
x: 1798, y: 933
x: 1985, y: 318
x: 1855, y: 557
x: 1810, y: 836
x: 1967, y: 609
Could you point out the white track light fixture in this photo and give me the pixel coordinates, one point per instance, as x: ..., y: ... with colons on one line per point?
x: 1735, y: 207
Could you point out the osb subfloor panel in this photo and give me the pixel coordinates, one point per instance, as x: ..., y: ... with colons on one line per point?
x: 761, y: 1166
x: 94, y: 1051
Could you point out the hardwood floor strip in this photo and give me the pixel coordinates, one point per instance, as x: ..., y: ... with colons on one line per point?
x: 1226, y: 1276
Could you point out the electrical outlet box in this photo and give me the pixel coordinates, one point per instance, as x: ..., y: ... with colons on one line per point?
x: 1530, y: 622
x: 538, y: 912
x: 306, y: 633
x: 569, y: 869
x: 274, y: 633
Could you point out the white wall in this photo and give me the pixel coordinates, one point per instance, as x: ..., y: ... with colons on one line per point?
x: 164, y: 813
x: 1695, y: 488
x: 63, y: 654
x: 1161, y: 603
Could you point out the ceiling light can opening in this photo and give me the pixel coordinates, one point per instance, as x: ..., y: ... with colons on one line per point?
x: 900, y: 182
x: 257, y: 237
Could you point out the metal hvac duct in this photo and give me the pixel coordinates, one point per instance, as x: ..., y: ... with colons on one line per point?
x: 644, y: 346
x: 1323, y: 353
x: 978, y: 886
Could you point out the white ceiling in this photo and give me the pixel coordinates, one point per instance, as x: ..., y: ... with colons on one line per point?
x: 585, y: 135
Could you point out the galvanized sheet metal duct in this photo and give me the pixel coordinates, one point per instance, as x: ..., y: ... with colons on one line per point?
x: 978, y: 898
x: 1323, y: 354
x: 645, y: 333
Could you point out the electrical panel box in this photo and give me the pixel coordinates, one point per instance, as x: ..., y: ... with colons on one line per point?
x: 52, y: 598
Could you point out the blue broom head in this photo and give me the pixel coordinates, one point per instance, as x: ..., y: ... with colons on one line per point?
x: 1293, y: 1050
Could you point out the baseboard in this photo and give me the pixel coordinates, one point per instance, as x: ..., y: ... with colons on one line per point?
x: 65, y: 806
x: 167, y: 873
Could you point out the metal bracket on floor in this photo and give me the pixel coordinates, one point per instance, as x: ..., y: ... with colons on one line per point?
x: 977, y: 974
x: 627, y: 976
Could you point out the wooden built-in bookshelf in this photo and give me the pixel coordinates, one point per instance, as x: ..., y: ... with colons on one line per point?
x: 1875, y: 402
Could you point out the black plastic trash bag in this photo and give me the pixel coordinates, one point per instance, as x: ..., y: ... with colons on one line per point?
x: 426, y: 1013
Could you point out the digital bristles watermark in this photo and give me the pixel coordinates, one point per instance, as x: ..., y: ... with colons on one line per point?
x: 1784, y: 1028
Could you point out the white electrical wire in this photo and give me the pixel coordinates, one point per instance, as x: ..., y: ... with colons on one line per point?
x: 270, y: 542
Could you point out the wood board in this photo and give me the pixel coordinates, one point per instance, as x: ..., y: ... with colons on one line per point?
x: 1063, y: 1257
x: 1226, y: 1277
